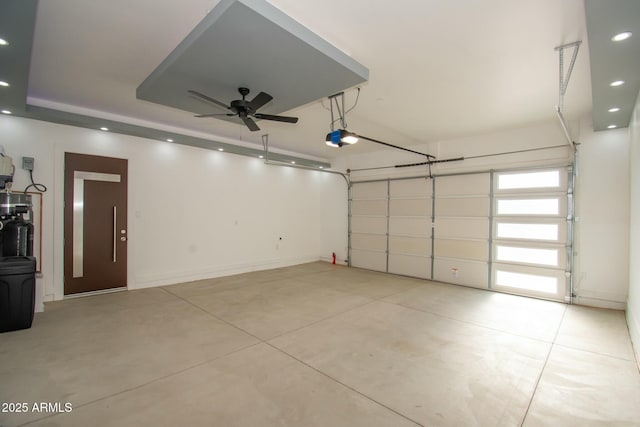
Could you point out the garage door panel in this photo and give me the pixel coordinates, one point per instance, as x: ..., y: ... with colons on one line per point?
x: 461, y: 272
x: 369, y: 259
x: 369, y: 190
x: 462, y: 207
x: 463, y: 184
x: 410, y: 226
x: 466, y: 249
x: 409, y: 188
x: 410, y: 207
x: 473, y: 228
x: 369, y: 207
x: 375, y: 242
x: 410, y: 245
x: 408, y: 265
x: 369, y: 224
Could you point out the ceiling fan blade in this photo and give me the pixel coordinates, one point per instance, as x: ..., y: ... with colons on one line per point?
x: 208, y: 99
x: 276, y: 118
x: 213, y: 115
x: 260, y: 99
x: 250, y: 123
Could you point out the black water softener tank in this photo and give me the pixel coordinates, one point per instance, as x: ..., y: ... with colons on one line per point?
x: 16, y: 229
x: 17, y: 238
x: 17, y: 265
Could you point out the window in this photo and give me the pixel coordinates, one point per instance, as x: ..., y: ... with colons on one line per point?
x: 527, y: 231
x: 530, y: 231
x: 528, y: 206
x: 546, y: 179
x: 531, y: 282
x: 527, y: 255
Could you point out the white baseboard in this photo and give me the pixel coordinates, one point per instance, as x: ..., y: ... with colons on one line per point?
x: 170, y: 278
x: 600, y: 303
x: 600, y: 299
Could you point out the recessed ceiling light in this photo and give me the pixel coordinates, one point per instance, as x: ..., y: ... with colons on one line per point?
x: 3, y: 42
x: 169, y: 140
x: 261, y: 157
x: 220, y: 149
x: 104, y: 128
x: 3, y: 83
x: 5, y: 112
x: 614, y: 110
x: 321, y: 167
x: 612, y: 127
x: 617, y: 83
x: 622, y: 36
x: 293, y: 163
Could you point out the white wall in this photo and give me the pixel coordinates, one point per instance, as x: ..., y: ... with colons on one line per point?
x: 193, y: 213
x: 633, y: 302
x: 602, y: 223
x: 601, y: 270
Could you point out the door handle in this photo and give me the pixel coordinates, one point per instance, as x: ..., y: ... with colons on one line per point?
x: 115, y: 234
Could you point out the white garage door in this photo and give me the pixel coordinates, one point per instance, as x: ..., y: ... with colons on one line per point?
x: 505, y: 230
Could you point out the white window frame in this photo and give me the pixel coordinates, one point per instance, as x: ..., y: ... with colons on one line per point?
x: 562, y: 229
x: 562, y: 183
x: 560, y: 275
x: 562, y: 205
x: 561, y: 248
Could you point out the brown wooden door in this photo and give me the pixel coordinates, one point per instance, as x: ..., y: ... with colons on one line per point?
x: 95, y: 223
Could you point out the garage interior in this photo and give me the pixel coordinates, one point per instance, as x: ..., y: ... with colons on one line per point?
x: 471, y: 260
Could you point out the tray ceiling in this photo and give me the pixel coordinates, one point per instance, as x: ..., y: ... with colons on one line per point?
x: 252, y: 44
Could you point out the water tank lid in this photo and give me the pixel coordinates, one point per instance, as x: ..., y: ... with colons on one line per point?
x: 17, y: 265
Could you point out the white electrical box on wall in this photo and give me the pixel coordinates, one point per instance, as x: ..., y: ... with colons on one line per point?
x: 27, y: 163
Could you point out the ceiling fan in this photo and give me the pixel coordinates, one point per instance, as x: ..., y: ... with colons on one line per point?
x: 244, y: 109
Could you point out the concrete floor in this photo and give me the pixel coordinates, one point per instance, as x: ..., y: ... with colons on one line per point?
x: 319, y: 345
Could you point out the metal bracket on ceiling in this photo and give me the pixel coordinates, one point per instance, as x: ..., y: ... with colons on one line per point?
x: 337, y: 99
x: 564, y: 80
x: 337, y: 108
x: 564, y: 83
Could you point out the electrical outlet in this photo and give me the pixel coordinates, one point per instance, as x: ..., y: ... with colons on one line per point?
x: 27, y: 163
